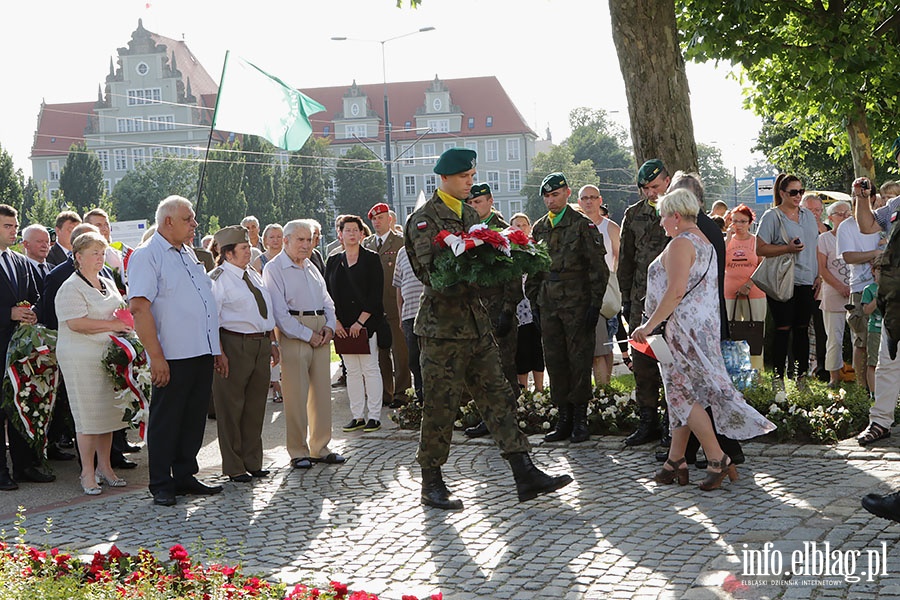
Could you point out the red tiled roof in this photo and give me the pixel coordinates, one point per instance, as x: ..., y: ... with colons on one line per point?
x: 476, y: 97
x: 60, y: 126
x: 187, y: 63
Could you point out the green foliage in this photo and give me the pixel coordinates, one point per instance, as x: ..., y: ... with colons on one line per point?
x: 808, y: 65
x: 29, y: 195
x: 43, y: 208
x: 258, y: 184
x: 597, y: 139
x: 81, y: 179
x: 137, y: 195
x: 559, y: 158
x: 303, y: 185
x: 718, y: 183
x: 10, y: 181
x: 222, y: 193
x: 360, y: 181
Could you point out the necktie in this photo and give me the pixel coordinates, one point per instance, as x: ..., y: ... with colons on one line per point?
x: 10, y: 271
x: 378, y: 245
x: 260, y: 301
x: 43, y: 268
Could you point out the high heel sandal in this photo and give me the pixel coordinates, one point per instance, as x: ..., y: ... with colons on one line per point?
x: 675, y: 473
x: 90, y: 491
x: 714, y: 480
x: 103, y: 479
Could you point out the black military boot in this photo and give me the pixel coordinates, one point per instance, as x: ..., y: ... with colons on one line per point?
x: 435, y: 493
x: 477, y: 431
x: 563, y: 426
x: 648, y: 428
x: 531, y: 481
x: 580, y: 431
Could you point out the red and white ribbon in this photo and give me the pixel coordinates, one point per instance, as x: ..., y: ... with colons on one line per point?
x: 130, y: 381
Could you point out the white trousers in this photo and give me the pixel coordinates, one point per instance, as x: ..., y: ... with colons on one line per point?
x: 364, y: 385
x: 887, y: 386
x: 835, y: 322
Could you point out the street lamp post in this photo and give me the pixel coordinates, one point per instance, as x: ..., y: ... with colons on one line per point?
x: 388, y: 161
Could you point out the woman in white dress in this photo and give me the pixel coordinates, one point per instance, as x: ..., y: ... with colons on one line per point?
x: 85, y: 304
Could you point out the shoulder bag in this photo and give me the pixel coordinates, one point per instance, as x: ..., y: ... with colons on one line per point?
x: 775, y: 274
x: 612, y: 298
x: 751, y: 331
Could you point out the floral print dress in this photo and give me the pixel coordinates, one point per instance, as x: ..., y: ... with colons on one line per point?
x: 697, y: 373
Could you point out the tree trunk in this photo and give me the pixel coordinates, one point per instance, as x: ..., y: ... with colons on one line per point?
x: 656, y: 85
x: 860, y: 142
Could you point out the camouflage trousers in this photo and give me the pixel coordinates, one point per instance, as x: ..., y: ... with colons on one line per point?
x: 568, y: 354
x: 647, y: 378
x: 452, y: 370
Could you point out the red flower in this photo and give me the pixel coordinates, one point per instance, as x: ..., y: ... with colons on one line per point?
x: 517, y: 236
x: 408, y: 597
x: 177, y: 552
x: 124, y: 315
x: 340, y: 589
x: 438, y: 596
x: 489, y: 236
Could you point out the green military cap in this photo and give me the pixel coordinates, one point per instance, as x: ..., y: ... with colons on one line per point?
x: 455, y: 160
x: 649, y: 171
x: 480, y: 189
x: 895, y: 148
x: 233, y: 234
x: 553, y: 181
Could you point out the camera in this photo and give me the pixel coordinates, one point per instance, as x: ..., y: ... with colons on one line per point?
x: 797, y: 241
x: 864, y: 184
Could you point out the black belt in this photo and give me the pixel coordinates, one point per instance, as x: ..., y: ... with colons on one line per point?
x: 307, y: 313
x: 263, y: 334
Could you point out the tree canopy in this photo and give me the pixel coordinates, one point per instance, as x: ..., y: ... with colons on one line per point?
x: 558, y: 159
x: 81, y: 179
x: 360, y: 181
x: 137, y: 195
x: 10, y: 181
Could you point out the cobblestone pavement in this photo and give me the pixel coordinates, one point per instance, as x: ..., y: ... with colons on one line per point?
x: 611, y: 534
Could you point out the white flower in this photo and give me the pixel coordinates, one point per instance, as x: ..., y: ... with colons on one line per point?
x: 554, y: 411
x: 522, y: 424
x: 545, y: 425
x: 780, y: 397
x: 773, y: 408
x: 457, y: 423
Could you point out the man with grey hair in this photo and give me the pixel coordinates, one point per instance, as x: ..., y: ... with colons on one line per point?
x: 252, y: 225
x: 305, y: 320
x: 176, y: 319
x: 36, y: 242
x: 316, y: 256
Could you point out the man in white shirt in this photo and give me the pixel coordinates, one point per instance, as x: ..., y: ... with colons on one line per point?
x: 305, y: 320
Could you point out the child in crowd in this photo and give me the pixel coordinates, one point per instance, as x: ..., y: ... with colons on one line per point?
x: 873, y: 338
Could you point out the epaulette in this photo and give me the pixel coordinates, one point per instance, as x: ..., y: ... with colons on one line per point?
x: 216, y: 273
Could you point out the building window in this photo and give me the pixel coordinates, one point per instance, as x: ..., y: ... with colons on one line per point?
x: 448, y: 145
x: 409, y: 185
x: 439, y: 125
x: 512, y: 149
x: 429, y: 152
x: 471, y: 122
x: 138, y: 156
x: 129, y: 125
x: 147, y: 96
x: 515, y: 206
x: 407, y: 125
x: 103, y: 157
x: 514, y: 178
x: 408, y: 152
x: 472, y: 146
x: 409, y: 211
x: 53, y: 170
x: 491, y: 151
x: 161, y: 123
x: 142, y: 68
x: 326, y: 130
x: 355, y: 131
x: 121, y: 159
x: 493, y: 179
x: 430, y: 184
x: 489, y: 121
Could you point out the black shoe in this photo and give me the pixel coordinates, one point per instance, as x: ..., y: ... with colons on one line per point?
x: 197, y: 488
x: 67, y: 443
x: 33, y: 475
x: 259, y: 473
x: 341, y: 382
x: 123, y: 463
x: 738, y: 458
x: 242, y: 478
x: 55, y: 453
x: 435, y: 493
x: 371, y: 426
x: 164, y: 499
x: 131, y: 449
x: 531, y: 481
x: 648, y: 429
x: 886, y: 507
x: 477, y: 431
x: 563, y: 426
x: 396, y: 403
x: 6, y: 482
x: 580, y: 431
x: 302, y: 462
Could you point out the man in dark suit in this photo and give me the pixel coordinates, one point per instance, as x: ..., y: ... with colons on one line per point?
x: 395, y: 374
x: 65, y: 223
x: 16, y: 285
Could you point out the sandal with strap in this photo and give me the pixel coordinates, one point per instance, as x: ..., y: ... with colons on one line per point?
x: 627, y: 361
x: 667, y: 476
x: 873, y: 433
x: 714, y: 479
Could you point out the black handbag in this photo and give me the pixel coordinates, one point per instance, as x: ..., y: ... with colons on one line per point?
x: 751, y: 331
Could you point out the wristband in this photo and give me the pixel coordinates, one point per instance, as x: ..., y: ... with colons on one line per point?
x: 359, y: 323
x: 275, y: 344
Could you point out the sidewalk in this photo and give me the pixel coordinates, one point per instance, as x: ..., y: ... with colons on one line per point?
x: 611, y: 534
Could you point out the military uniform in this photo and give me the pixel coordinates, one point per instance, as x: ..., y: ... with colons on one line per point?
x: 565, y: 296
x: 458, y: 349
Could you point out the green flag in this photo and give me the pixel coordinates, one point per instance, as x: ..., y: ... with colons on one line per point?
x: 252, y: 101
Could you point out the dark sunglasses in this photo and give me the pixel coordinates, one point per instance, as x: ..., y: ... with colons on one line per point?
x: 793, y: 193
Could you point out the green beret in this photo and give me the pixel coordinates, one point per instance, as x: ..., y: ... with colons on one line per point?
x: 233, y: 234
x: 895, y: 149
x: 649, y: 171
x: 455, y: 160
x: 553, y: 181
x: 480, y: 189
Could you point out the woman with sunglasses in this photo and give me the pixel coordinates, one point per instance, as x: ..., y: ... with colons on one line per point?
x: 790, y: 228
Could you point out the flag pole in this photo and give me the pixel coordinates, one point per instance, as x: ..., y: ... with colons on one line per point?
x: 212, y: 126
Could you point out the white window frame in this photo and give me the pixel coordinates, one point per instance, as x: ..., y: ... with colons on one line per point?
x: 513, y: 152
x: 493, y: 179
x: 53, y: 170
x: 409, y: 210
x: 515, y: 206
x: 161, y: 123
x: 357, y: 130
x: 408, y: 152
x: 430, y: 184
x: 139, y: 97
x: 491, y: 151
x: 472, y: 146
x: 107, y: 186
x: 138, y: 156
x: 120, y: 159
x: 448, y: 145
x: 439, y: 125
x: 409, y: 185
x: 429, y: 149
x: 514, y: 180
x: 103, y: 157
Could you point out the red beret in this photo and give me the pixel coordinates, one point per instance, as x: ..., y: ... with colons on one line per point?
x: 379, y: 208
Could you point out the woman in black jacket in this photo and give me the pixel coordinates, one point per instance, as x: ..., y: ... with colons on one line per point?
x: 355, y: 280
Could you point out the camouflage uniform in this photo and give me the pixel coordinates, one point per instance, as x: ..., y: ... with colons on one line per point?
x: 576, y: 281
x: 504, y: 298
x: 643, y: 239
x: 458, y: 349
